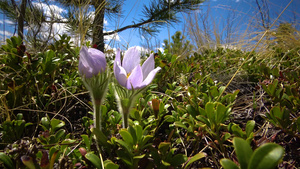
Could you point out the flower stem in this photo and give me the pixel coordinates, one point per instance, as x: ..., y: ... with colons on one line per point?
x: 125, y: 119
x: 97, y: 114
x: 126, y: 105
x: 125, y: 100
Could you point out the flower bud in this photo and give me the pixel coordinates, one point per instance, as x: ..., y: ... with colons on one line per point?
x: 91, y: 62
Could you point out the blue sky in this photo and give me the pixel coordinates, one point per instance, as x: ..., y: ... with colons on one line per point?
x: 240, y: 11
x: 219, y: 10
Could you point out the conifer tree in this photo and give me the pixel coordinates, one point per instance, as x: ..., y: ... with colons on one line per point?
x: 179, y: 44
x: 155, y: 15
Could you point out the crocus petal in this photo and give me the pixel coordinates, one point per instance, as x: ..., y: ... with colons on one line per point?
x: 117, y: 59
x: 131, y: 59
x: 120, y: 75
x: 83, y: 70
x: 84, y: 57
x: 91, y: 62
x: 84, y: 63
x: 118, y: 56
x: 148, y: 66
x: 136, y: 78
x: 149, y: 78
x: 98, y: 60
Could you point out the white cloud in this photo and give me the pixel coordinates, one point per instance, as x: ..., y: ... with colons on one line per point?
x: 171, y: 1
x: 160, y: 49
x: 110, y: 54
x: 114, y: 36
x: 6, y: 33
x: 6, y: 21
x: 92, y: 15
x: 109, y: 47
x: 59, y: 28
x: 143, y: 50
x: 50, y: 10
x: 54, y: 11
x: 228, y: 46
x: 235, y: 0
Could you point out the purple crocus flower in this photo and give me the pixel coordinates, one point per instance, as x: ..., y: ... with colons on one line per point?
x: 130, y: 74
x: 91, y: 62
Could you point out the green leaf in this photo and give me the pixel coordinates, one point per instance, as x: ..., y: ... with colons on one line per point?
x: 66, y: 145
x: 53, y: 158
x: 178, y: 88
x: 28, y: 124
x: 272, y: 87
x: 86, y: 141
x: 145, y: 140
x: 133, y: 134
x: 56, y: 124
x: 125, y: 145
x: 228, y: 164
x: 139, y: 133
x: 139, y: 157
x: 124, y: 156
x: 265, y: 88
x: 6, y: 161
x: 68, y: 141
x: 221, y: 113
x: 19, y: 116
x: 234, y: 95
x: 45, y: 122
x: 195, y: 158
x: 191, y: 110
x: 237, y: 130
x: 250, y: 138
x: 249, y: 127
x: 275, y: 72
x: 164, y: 147
x: 179, y: 124
x: 214, y: 91
x: 52, y: 139
x: 221, y: 89
x: 203, y: 120
x: 95, y: 160
x: 277, y: 113
x: 266, y: 157
x: 53, y: 152
x: 59, y: 134
x: 243, y: 151
x: 226, y: 137
x: 110, y: 165
x: 298, y: 123
x: 127, y: 137
x: 165, y: 163
x: 101, y: 138
x: 161, y: 108
x: 178, y: 159
x: 209, y: 109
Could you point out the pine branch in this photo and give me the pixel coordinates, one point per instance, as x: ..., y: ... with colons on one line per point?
x: 161, y: 12
x: 138, y: 25
x: 8, y: 9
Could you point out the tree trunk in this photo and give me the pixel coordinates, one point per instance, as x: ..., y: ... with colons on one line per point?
x: 21, y: 19
x: 98, y: 37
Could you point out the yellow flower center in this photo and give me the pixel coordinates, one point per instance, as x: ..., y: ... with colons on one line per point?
x: 128, y: 74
